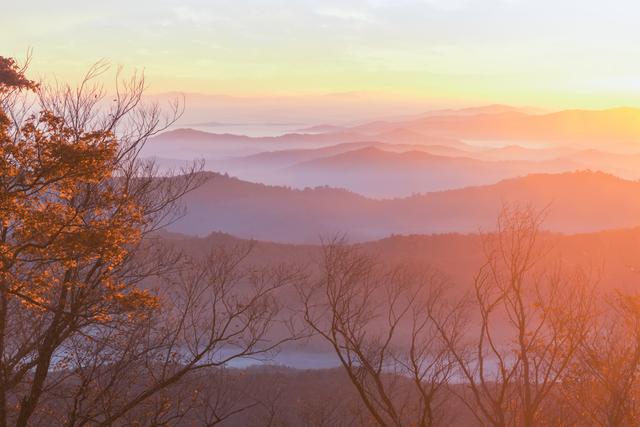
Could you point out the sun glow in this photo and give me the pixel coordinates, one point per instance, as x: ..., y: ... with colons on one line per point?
x: 544, y: 52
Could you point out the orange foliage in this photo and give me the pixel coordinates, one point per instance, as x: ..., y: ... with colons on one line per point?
x: 65, y: 220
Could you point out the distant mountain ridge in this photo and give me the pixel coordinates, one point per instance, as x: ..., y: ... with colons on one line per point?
x: 577, y: 202
x: 619, y: 128
x: 385, y: 170
x: 379, y: 173
x: 433, y: 152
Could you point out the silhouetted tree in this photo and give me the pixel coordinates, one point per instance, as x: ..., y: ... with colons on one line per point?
x: 531, y: 318
x: 601, y: 387
x: 379, y: 323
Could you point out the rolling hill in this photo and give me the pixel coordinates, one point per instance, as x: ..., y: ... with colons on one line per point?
x: 379, y: 173
x: 576, y: 202
x: 614, y: 254
x: 274, y: 160
x: 191, y: 143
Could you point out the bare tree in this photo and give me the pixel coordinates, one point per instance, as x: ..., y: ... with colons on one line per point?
x: 601, y: 387
x: 378, y: 322
x: 531, y: 322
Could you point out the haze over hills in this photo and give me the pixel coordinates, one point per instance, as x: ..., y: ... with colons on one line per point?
x: 438, y: 150
x: 283, y: 214
x: 381, y: 169
x: 377, y: 173
x: 618, y: 129
x: 284, y: 158
x: 484, y: 109
x: 187, y: 142
x: 493, y: 164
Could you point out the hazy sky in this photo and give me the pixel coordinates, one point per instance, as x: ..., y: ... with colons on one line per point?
x: 553, y: 53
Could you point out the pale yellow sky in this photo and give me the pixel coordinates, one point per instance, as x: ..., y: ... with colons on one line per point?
x: 550, y: 53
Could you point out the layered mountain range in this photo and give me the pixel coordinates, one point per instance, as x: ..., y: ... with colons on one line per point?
x: 441, y: 150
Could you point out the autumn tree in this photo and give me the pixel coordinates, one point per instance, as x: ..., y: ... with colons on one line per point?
x: 84, y: 322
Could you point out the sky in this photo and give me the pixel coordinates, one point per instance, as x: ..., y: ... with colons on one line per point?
x: 547, y: 53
